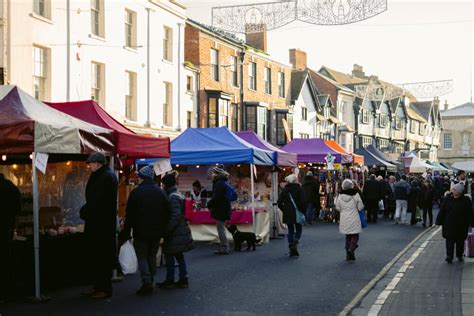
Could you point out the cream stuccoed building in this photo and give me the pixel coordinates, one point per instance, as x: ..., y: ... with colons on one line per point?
x: 127, y: 55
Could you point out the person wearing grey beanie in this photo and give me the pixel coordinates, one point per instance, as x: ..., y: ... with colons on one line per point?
x: 455, y: 216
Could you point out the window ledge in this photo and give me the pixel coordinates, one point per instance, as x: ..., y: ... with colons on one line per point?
x: 254, y: 90
x: 166, y: 61
x: 131, y: 49
x: 97, y: 37
x: 41, y: 18
x: 129, y: 121
x: 190, y: 93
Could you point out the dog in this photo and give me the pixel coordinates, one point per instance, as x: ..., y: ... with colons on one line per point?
x: 240, y: 237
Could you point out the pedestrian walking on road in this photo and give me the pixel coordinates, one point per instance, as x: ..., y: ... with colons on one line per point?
x: 391, y: 203
x: 402, y: 192
x: 427, y: 196
x: 372, y: 195
x: 147, y: 214
x: 9, y: 209
x: 290, y: 201
x: 100, y: 216
x: 414, y: 201
x: 349, y: 203
x: 178, y: 237
x: 220, y: 206
x: 455, y: 217
x: 311, y: 194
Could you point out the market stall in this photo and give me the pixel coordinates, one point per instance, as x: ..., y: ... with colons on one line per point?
x: 413, y: 164
x: 355, y: 159
x: 283, y: 159
x: 437, y: 168
x: 36, y: 137
x: 128, y: 145
x: 377, y: 153
x: 195, y: 151
x: 374, y: 162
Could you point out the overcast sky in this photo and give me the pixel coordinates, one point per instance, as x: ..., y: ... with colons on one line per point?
x: 412, y: 41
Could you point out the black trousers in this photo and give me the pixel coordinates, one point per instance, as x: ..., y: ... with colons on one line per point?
x: 428, y: 211
x: 101, y: 265
x: 450, y: 243
x: 7, y: 279
x: 372, y: 214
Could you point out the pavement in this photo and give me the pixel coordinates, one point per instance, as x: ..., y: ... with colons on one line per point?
x: 420, y: 282
x: 264, y: 282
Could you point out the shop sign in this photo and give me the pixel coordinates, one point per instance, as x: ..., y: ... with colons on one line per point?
x: 41, y: 161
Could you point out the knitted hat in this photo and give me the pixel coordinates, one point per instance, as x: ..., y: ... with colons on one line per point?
x: 459, y: 188
x: 96, y: 157
x: 147, y: 173
x: 379, y: 178
x: 347, y: 184
x: 169, y: 180
x: 309, y: 174
x: 291, y: 178
x: 218, y: 171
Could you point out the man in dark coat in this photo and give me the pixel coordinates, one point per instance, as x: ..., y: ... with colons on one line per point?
x: 372, y: 195
x: 311, y: 194
x: 10, y: 206
x: 147, y: 213
x: 455, y: 217
x: 427, y: 197
x: 178, y: 238
x: 100, y: 216
x: 291, y: 196
x: 220, y: 206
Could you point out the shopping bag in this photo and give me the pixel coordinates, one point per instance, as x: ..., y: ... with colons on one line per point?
x: 128, y: 258
x: 363, y: 222
x: 381, y: 205
x: 418, y: 217
x: 469, y: 246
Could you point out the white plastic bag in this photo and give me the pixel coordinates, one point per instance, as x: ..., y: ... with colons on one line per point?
x: 381, y: 205
x: 128, y: 258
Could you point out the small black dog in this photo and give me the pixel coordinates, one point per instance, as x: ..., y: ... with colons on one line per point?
x: 240, y: 237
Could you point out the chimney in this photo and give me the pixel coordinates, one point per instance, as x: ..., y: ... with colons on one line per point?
x: 446, y: 106
x: 298, y: 59
x: 256, y: 36
x: 358, y: 71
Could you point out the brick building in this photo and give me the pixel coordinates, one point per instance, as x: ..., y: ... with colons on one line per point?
x: 240, y: 86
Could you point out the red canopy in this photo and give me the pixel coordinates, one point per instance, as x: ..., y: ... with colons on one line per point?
x: 127, y: 142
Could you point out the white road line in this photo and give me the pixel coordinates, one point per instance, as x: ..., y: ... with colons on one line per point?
x: 383, y: 296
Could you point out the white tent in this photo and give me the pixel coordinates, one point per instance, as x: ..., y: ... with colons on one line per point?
x: 415, y: 164
x: 467, y: 166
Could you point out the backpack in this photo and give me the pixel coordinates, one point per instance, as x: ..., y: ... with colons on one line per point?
x: 230, y: 193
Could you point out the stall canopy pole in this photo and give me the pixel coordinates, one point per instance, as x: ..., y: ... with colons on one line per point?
x: 36, y: 228
x: 274, y: 203
x: 252, y: 185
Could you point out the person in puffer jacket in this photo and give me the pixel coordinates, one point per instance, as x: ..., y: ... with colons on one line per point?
x: 178, y: 237
x: 402, y: 193
x: 349, y: 203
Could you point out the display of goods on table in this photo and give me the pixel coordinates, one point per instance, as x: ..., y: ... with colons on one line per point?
x: 203, y: 216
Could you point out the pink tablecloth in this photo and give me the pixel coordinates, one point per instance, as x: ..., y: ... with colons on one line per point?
x: 204, y: 216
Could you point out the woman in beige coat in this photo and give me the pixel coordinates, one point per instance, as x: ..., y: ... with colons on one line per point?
x: 349, y: 203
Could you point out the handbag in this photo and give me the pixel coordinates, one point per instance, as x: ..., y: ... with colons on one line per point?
x: 363, y: 222
x: 300, y: 218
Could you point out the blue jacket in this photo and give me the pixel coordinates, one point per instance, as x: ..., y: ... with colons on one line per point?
x: 402, y: 190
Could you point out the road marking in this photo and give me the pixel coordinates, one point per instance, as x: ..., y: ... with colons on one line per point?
x: 382, y: 298
x: 381, y: 274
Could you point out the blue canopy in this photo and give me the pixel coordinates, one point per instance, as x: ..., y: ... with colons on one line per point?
x: 207, y: 146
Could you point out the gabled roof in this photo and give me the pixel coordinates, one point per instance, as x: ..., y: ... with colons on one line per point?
x: 466, y: 109
x: 339, y: 86
x: 414, y: 115
x: 342, y: 78
x: 323, y: 99
x: 422, y: 108
x: 298, y: 79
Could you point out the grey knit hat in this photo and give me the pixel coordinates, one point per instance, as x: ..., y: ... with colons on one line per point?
x: 147, y: 172
x: 459, y: 188
x: 309, y: 173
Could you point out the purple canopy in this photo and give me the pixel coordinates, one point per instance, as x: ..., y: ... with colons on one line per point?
x: 314, y: 150
x: 283, y: 158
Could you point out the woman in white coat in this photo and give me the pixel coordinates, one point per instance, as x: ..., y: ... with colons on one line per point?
x: 349, y: 203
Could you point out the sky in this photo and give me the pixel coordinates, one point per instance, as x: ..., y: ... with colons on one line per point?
x: 413, y: 41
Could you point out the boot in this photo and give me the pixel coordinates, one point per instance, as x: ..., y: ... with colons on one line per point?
x: 352, y: 256
x: 348, y: 256
x: 297, y: 254
x: 146, y: 289
x: 183, y: 283
x: 293, y: 251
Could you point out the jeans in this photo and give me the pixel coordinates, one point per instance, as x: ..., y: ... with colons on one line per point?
x: 309, y: 213
x: 183, y: 274
x: 450, y: 248
x: 221, y: 231
x: 146, y: 251
x: 352, y: 241
x: 428, y: 210
x: 292, y: 235
x: 401, y: 211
